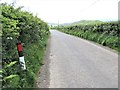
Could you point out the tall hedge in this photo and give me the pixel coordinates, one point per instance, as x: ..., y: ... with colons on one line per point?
x: 105, y: 33
x: 18, y: 25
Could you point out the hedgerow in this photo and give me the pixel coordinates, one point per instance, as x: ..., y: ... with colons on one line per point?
x: 104, y: 33
x: 32, y: 32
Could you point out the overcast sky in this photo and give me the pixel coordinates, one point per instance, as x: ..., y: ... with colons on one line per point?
x: 66, y: 11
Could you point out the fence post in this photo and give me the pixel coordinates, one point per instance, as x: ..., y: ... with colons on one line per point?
x: 21, y: 56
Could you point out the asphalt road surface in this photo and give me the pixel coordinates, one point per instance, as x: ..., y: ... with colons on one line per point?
x: 78, y: 63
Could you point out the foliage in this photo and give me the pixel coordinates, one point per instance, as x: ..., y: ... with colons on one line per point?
x: 103, y: 33
x: 18, y: 25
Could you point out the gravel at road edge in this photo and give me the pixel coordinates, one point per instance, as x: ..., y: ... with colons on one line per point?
x: 42, y: 80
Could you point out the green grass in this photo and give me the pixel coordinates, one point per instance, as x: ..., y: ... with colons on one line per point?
x: 34, y: 60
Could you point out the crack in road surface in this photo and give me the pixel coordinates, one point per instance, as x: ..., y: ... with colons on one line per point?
x: 78, y: 63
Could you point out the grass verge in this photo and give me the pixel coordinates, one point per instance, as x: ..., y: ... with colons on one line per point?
x: 103, y: 39
x: 18, y: 78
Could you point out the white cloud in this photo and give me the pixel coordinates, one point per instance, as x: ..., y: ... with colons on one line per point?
x: 71, y: 10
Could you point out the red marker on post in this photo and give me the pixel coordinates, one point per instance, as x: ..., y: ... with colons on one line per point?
x: 21, y: 56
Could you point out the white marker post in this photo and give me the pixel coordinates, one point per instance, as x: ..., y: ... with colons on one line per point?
x: 21, y: 56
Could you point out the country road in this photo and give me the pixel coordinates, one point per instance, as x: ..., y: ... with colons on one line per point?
x: 78, y: 63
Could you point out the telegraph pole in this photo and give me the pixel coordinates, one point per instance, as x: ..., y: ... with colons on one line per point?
x: 58, y: 24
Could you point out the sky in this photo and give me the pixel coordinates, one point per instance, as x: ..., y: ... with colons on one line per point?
x: 67, y: 11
